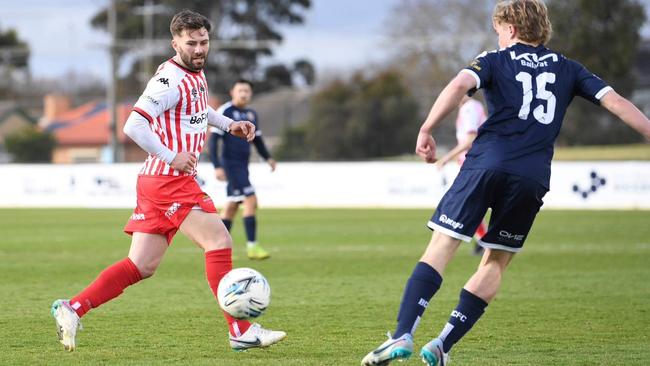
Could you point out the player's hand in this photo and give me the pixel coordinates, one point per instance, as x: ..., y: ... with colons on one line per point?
x: 272, y: 163
x: 184, y: 161
x: 425, y: 147
x: 243, y: 129
x: 220, y: 174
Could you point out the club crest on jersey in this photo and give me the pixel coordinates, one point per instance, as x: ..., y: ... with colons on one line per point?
x: 475, y: 65
x: 195, y: 94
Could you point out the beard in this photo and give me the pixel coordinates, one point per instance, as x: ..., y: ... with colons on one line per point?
x: 194, y: 63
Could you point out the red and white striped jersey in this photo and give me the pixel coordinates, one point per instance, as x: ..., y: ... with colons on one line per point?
x: 175, y: 102
x: 471, y: 116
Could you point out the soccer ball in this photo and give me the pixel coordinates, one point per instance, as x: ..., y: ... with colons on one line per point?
x: 244, y: 293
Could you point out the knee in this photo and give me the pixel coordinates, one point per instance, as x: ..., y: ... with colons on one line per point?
x: 221, y: 241
x: 146, y: 269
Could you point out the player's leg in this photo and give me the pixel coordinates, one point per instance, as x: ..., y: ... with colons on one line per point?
x: 253, y: 248
x: 514, y: 207
x: 478, y: 292
x: 207, y: 231
x: 144, y: 256
x: 424, y: 282
x: 480, y: 232
x: 228, y: 213
x: 453, y: 221
x: 234, y: 193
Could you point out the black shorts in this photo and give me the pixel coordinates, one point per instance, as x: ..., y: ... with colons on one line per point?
x: 514, y: 200
x: 239, y: 186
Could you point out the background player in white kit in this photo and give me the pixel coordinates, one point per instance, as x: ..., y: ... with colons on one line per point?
x: 170, y: 122
x: 471, y: 115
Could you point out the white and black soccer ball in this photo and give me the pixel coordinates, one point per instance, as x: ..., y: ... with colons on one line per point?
x: 244, y: 293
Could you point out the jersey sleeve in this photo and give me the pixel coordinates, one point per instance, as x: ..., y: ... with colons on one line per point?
x: 587, y: 84
x: 159, y: 96
x: 258, y: 131
x: 481, y: 69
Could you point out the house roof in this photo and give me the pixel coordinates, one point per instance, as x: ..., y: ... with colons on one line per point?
x: 88, y: 124
x: 8, y: 109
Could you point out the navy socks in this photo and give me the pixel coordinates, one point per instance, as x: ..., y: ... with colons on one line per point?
x: 227, y: 223
x: 250, y: 224
x: 420, y: 288
x: 469, y: 309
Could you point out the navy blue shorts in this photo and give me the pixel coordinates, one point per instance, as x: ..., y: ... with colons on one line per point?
x: 239, y: 186
x: 514, y: 200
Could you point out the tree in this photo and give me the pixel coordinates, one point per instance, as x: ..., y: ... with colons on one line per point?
x: 432, y: 40
x: 359, y: 119
x: 14, y: 55
x: 243, y: 32
x: 30, y: 145
x: 604, y: 36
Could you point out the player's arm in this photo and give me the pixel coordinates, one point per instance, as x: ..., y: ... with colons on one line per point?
x: 213, y: 150
x: 137, y: 128
x: 241, y: 129
x: 158, y: 96
x: 627, y: 112
x: 461, y: 147
x: 258, y: 141
x: 446, y: 102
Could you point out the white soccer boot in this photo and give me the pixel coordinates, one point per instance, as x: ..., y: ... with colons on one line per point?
x: 433, y: 355
x: 393, y: 349
x: 67, y: 323
x: 255, y: 337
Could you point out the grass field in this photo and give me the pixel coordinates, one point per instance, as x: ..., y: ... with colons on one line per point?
x: 579, y: 294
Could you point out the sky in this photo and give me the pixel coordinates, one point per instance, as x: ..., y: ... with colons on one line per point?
x: 61, y: 39
x: 338, y: 35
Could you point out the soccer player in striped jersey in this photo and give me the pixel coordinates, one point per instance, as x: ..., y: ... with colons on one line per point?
x: 471, y: 116
x: 232, y: 165
x: 528, y: 88
x: 170, y: 121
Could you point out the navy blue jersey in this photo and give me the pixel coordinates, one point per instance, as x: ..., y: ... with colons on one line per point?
x: 236, y: 150
x: 527, y: 90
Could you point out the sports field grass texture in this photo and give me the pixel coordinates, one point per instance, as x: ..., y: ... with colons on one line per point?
x: 579, y: 293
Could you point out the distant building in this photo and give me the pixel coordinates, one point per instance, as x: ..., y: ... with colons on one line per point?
x: 275, y: 110
x: 12, y: 119
x: 281, y: 108
x: 83, y: 133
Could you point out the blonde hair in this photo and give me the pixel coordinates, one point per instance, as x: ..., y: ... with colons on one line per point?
x: 529, y: 17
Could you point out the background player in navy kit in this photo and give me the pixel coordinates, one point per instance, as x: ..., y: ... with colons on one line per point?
x: 528, y: 89
x: 233, y: 165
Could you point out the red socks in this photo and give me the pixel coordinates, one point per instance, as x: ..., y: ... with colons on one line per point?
x: 115, y: 278
x: 108, y: 285
x: 481, y: 230
x: 217, y: 264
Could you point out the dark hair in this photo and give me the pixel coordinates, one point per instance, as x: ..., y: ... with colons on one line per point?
x: 187, y: 19
x: 242, y: 81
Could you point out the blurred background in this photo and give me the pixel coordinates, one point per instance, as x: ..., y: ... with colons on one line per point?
x: 334, y: 80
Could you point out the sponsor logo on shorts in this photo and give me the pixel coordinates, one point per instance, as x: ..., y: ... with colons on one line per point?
x: 509, y: 237
x: 137, y: 217
x: 172, y: 209
x: 424, y: 303
x: 446, y: 220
